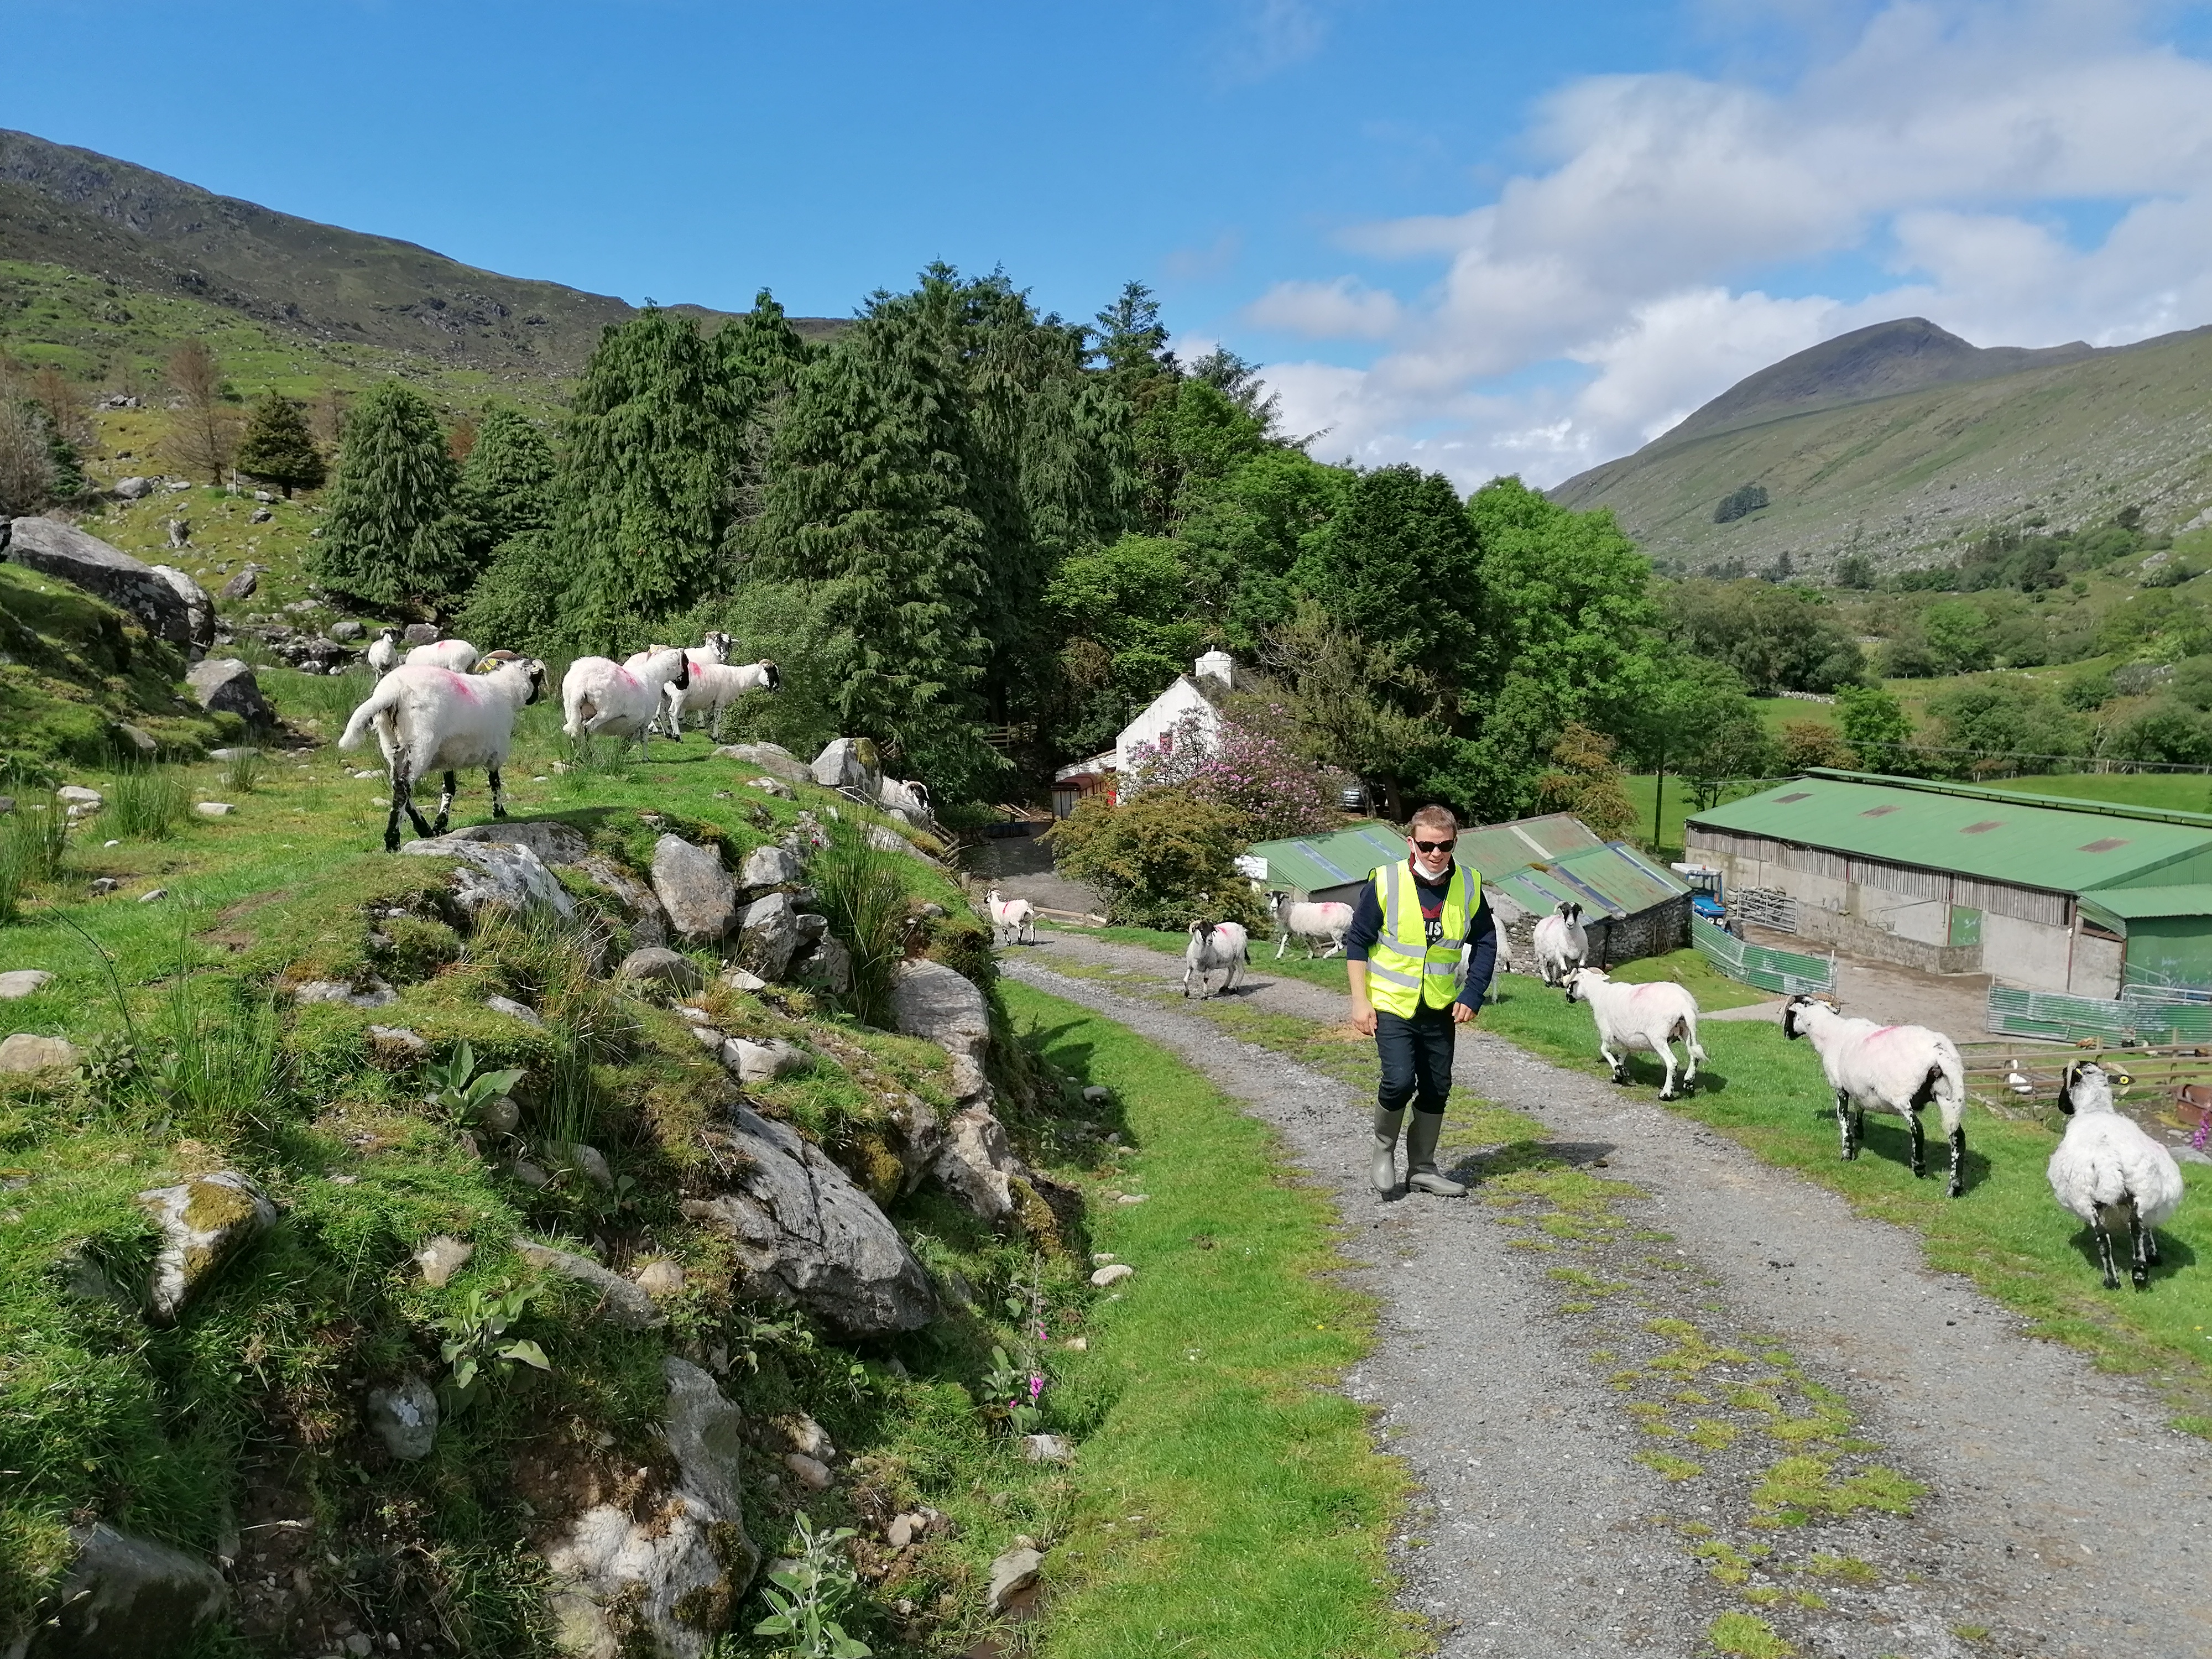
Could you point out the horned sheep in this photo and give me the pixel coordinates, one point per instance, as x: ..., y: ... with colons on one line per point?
x: 1560, y: 942
x: 1650, y: 1018
x: 2106, y: 1168
x: 1214, y: 947
x: 1886, y: 1068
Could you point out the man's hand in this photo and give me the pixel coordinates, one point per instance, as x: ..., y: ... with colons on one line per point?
x: 1461, y: 1014
x: 1363, y: 1017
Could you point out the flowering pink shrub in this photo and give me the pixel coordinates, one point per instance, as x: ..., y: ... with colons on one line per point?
x: 1259, y: 778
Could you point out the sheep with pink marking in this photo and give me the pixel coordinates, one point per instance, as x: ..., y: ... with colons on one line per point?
x: 1898, y: 1069
x: 599, y: 695
x: 428, y: 720
x: 1640, y: 1018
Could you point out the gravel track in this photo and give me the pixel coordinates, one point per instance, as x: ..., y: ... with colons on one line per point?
x: 2062, y: 1519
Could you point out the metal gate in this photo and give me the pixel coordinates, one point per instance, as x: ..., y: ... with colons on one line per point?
x: 1791, y: 972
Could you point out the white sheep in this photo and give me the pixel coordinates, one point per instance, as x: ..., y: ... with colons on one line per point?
x: 1649, y: 1018
x: 430, y: 720
x: 1214, y: 945
x: 2106, y: 1167
x: 599, y: 695
x: 1013, y: 917
x: 1560, y: 942
x: 906, y: 801
x: 1887, y: 1068
x: 456, y: 654
x: 384, y: 652
x: 1311, y: 922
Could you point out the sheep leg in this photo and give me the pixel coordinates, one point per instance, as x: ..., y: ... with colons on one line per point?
x: 399, y: 804
x: 1283, y: 944
x: 2105, y: 1250
x: 1665, y: 1048
x: 2141, y: 1265
x: 1618, y: 1063
x: 498, y: 795
x: 1958, y: 1140
x: 1919, y: 1160
x: 2150, y: 1245
x: 1843, y: 1124
x: 446, y: 802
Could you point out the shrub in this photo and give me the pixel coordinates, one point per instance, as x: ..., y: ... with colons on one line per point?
x: 1160, y: 859
x: 147, y: 803
x: 1815, y: 743
x: 1740, y: 503
x: 865, y: 900
x: 1248, y: 768
x: 1584, y: 781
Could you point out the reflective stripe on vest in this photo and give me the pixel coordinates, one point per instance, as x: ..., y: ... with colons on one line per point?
x: 1404, y: 970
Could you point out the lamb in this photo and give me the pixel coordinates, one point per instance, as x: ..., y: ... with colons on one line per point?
x: 1561, y: 943
x: 456, y: 654
x: 384, y: 652
x: 1310, y: 922
x: 598, y: 694
x: 1890, y: 1068
x: 2107, y: 1166
x: 429, y: 718
x: 1646, y: 1016
x: 1213, y: 945
x: 1015, y: 916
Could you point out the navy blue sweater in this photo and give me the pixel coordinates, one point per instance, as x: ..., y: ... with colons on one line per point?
x: 1482, y: 932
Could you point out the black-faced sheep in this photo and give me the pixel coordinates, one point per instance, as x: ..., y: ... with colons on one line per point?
x: 1886, y: 1068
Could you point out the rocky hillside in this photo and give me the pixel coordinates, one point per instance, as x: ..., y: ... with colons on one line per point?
x: 141, y: 230
x: 1901, y: 441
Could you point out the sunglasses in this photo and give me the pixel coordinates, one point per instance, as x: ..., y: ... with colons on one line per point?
x: 1438, y: 846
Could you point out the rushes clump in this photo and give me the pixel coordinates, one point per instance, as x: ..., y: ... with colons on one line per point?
x: 241, y: 773
x: 33, y: 839
x: 865, y: 903
x: 147, y: 803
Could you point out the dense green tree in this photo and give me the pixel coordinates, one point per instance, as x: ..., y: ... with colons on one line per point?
x: 1359, y: 705
x: 648, y: 485
x: 2168, y: 731
x: 1993, y: 728
x: 505, y: 484
x: 390, y: 535
x: 278, y: 447
x: 866, y: 501
x: 1241, y: 539
x: 1778, y: 639
x: 1874, y: 723
x: 1127, y: 630
x: 1399, y: 566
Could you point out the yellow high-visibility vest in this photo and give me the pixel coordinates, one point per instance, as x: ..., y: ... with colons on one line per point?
x: 1404, y: 970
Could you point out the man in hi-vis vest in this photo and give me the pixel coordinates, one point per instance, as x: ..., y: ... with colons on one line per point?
x: 1414, y: 921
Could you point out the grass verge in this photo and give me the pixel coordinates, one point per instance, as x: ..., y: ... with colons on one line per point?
x: 1230, y: 1502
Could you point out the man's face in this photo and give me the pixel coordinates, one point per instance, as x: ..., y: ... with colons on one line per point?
x: 1431, y: 848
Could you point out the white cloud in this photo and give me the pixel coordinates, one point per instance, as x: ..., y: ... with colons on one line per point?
x: 1941, y: 143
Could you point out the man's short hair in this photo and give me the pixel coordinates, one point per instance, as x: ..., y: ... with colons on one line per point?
x: 1435, y: 818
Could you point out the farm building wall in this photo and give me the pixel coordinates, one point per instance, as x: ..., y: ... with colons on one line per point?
x: 2169, y: 950
x: 1653, y: 933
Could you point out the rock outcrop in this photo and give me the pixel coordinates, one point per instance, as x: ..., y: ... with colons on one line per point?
x: 622, y: 1303
x: 226, y: 685
x: 929, y: 1000
x: 648, y: 922
x: 850, y: 763
x: 199, y: 609
x: 500, y: 874
x: 124, y: 1598
x: 204, y: 1220
x: 696, y: 892
x: 805, y: 1233
x: 977, y: 1165
x: 405, y: 1417
x: 556, y: 844
x: 771, y: 758
x: 666, y: 1571
x: 55, y: 548
x: 657, y: 965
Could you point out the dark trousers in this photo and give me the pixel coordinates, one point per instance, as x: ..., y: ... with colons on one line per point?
x: 1416, y: 1052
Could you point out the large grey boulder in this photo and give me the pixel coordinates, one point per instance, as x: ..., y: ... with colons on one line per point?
x: 132, y: 489
x: 663, y: 1571
x: 828, y: 963
x: 849, y: 763
x: 621, y: 1304
x: 496, y: 874
x: 762, y: 1062
x: 204, y: 1220
x: 768, y: 866
x: 198, y: 607
x: 696, y: 892
x: 55, y: 548
x: 556, y: 844
x: 772, y: 758
x: 416, y: 634
x: 804, y: 1233
x: 768, y: 936
x: 226, y: 685
x: 648, y: 922
x: 657, y: 964
x: 977, y: 1166
x: 27, y: 1052
x: 124, y: 1598
x: 929, y: 1000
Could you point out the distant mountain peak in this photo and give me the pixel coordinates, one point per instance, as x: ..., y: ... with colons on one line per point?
x: 1882, y: 360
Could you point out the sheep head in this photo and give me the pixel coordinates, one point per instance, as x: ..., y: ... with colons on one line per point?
x: 2086, y: 1087
x: 1580, y: 982
x: 773, y: 679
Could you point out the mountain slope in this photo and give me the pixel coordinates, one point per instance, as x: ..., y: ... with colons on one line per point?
x: 2067, y: 436
x: 143, y: 229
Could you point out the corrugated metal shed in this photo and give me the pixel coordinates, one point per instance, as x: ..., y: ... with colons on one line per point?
x: 1496, y: 849
x: 1314, y: 863
x: 2060, y: 845
x: 2141, y: 903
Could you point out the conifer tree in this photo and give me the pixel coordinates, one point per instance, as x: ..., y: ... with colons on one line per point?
x: 646, y: 485
x: 391, y: 537
x: 277, y: 448
x: 866, y: 502
x: 505, y: 483
x: 1399, y: 566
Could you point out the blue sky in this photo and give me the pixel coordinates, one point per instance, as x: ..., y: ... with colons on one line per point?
x: 1479, y: 235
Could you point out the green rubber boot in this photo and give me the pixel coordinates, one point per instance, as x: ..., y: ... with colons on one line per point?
x: 1421, y: 1157
x: 1384, y: 1172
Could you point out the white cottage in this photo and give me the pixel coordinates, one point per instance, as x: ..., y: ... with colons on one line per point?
x: 1187, y: 709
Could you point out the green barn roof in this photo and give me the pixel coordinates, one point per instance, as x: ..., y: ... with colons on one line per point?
x: 1311, y: 862
x: 2059, y: 845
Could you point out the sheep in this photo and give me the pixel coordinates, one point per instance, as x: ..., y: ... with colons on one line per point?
x: 429, y: 718
x: 1213, y: 945
x: 598, y: 694
x: 456, y: 654
x: 1890, y: 1068
x: 1015, y: 916
x: 1647, y: 1017
x: 909, y: 801
x: 1311, y: 922
x: 1561, y: 943
x: 715, y: 683
x: 2106, y: 1166
x: 384, y: 652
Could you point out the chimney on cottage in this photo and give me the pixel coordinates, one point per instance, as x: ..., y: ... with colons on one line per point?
x: 1219, y: 665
